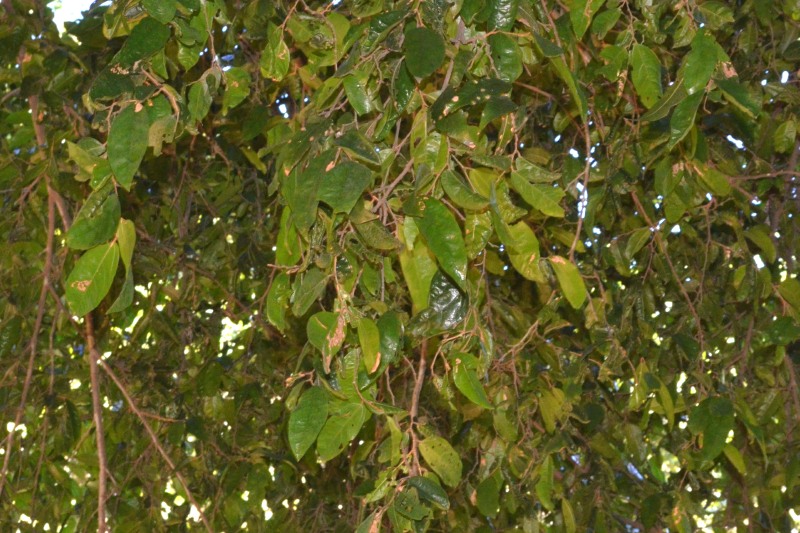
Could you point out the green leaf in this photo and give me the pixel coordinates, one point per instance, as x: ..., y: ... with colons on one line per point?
x: 544, y: 198
x: 674, y: 95
x: 523, y: 251
x: 460, y: 193
x: 126, y: 240
x: 544, y: 485
x: 442, y: 459
x: 715, y: 181
x: 439, y: 228
x: 683, y: 117
x: 307, y: 420
x: 431, y: 491
x: 789, y: 290
x: 391, y: 334
x: 424, y: 51
x: 97, y: 220
x: 161, y: 10
x: 738, y: 95
x: 570, y: 280
x: 502, y: 14
x: 506, y: 56
x: 278, y: 301
x: 700, y: 63
x: 487, y: 497
x: 325, y: 332
x: 308, y: 290
x: 417, y: 263
x: 358, y: 146
x: 91, y: 278
x: 275, y: 58
x: 466, y: 379
x: 760, y: 236
x: 636, y: 241
x: 785, y: 136
x: 200, y: 98
x: 288, y: 251
x: 407, y: 504
x: 569, y: 516
x: 495, y: 108
x: 713, y: 418
x: 127, y: 143
x: 477, y: 232
x: 340, y: 429
x: 147, y: 38
x: 581, y: 13
x: 646, y: 75
x: 342, y: 185
x: 735, y: 457
x: 356, y: 90
x: 237, y: 88
x: 369, y: 338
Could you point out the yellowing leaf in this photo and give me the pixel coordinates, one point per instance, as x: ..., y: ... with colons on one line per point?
x: 570, y: 280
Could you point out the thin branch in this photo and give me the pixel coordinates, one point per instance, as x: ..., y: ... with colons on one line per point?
x: 414, y: 410
x: 154, y: 438
x: 97, y: 406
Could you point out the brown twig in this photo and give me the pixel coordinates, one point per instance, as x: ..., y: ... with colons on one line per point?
x: 156, y: 443
x: 414, y: 410
x: 97, y: 406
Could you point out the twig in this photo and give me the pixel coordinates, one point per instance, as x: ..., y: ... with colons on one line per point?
x: 412, y: 413
x: 97, y: 406
x: 156, y: 443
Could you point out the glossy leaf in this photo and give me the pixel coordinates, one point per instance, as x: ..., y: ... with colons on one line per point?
x: 443, y: 235
x: 431, y: 491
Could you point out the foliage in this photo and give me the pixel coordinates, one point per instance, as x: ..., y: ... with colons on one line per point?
x: 464, y: 265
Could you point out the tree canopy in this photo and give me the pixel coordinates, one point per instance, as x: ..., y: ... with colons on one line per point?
x: 400, y: 265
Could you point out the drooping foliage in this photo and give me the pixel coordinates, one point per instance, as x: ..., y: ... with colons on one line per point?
x: 400, y: 265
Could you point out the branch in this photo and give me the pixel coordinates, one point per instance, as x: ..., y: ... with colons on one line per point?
x: 97, y: 406
x: 156, y: 443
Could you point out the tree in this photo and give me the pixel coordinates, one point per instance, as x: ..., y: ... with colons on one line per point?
x: 465, y: 265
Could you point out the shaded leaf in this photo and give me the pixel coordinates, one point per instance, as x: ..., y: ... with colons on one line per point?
x: 307, y: 420
x: 127, y: 143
